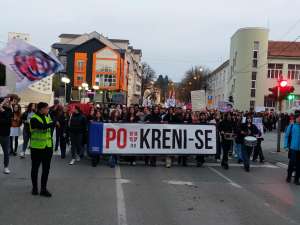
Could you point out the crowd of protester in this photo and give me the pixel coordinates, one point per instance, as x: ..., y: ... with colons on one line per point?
x: 71, y: 123
x: 72, y: 128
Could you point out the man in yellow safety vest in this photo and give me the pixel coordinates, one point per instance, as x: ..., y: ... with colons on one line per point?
x: 41, y: 147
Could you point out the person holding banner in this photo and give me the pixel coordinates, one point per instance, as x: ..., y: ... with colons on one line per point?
x: 202, y: 120
x: 154, y: 117
x: 131, y: 117
x: 98, y: 119
x: 170, y: 117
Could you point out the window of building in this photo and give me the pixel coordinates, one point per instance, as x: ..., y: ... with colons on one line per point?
x: 80, y: 68
x: 106, y: 68
x: 274, y: 70
x: 254, y: 75
x: 269, y: 102
x: 80, y: 65
x: 254, y: 63
x: 2, y: 75
x: 105, y: 80
x: 294, y: 71
x: 255, y: 54
x: 252, y: 92
x: 256, y: 46
x: 79, y: 77
x: 253, y: 84
x: 109, y: 66
x: 252, y: 104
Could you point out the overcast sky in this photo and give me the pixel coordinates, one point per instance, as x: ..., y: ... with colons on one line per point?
x: 173, y: 35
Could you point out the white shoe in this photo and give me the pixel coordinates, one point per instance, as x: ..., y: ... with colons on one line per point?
x: 72, y: 162
x: 6, y: 170
x: 77, y: 158
x: 22, y: 155
x: 134, y: 163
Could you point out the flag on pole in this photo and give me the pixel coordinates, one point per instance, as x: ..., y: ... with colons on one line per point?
x: 28, y: 62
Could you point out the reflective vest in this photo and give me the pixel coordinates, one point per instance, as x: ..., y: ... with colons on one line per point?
x: 40, y: 139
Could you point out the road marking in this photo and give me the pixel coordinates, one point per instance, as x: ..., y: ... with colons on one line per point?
x: 179, y: 182
x: 124, y: 181
x: 282, y: 165
x: 231, y: 182
x: 265, y: 165
x: 121, y: 209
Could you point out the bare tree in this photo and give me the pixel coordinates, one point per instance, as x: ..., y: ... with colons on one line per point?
x: 194, y: 79
x: 148, y: 76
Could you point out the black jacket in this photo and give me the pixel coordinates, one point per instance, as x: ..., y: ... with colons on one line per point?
x: 5, y: 121
x: 77, y: 124
x: 153, y: 118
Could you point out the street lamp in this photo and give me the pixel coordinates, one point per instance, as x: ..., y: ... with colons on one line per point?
x: 79, y: 93
x: 84, y: 85
x: 95, y: 87
x: 66, y: 81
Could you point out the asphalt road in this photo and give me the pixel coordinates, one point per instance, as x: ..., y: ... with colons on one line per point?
x: 143, y: 195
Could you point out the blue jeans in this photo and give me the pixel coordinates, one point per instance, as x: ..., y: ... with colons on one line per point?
x: 5, y: 144
x: 238, y: 151
x: 26, y: 138
x: 112, y: 161
x: 246, y: 154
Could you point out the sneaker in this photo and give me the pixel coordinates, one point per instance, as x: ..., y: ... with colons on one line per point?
x: 45, y: 193
x: 77, y: 158
x: 72, y: 162
x: 6, y: 170
x: 22, y: 155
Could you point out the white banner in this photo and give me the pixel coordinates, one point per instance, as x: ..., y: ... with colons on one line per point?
x: 28, y: 62
x: 198, y: 100
x: 120, y: 138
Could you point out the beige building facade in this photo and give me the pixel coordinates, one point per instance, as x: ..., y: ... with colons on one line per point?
x: 255, y: 65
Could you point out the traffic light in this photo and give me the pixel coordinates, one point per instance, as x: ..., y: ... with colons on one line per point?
x: 274, y: 91
x: 291, y: 97
x: 283, y: 83
x: 285, y: 90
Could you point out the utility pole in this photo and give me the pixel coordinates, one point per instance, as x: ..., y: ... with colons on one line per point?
x: 279, y: 124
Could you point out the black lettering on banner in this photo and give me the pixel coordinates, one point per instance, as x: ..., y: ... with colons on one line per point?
x: 166, y: 138
x: 143, y: 139
x: 207, y: 139
x: 156, y: 138
x: 198, y: 135
x: 177, y: 139
x: 184, y: 139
